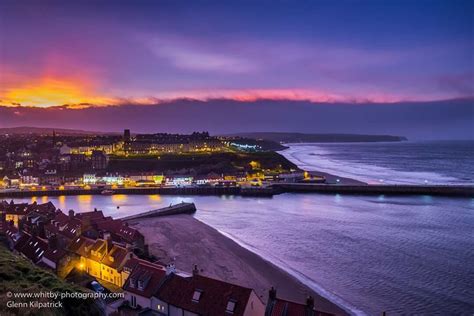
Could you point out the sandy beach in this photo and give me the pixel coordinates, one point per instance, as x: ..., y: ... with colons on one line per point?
x: 187, y: 241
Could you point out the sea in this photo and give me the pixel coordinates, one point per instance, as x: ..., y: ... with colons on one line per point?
x: 427, y: 162
x: 405, y: 255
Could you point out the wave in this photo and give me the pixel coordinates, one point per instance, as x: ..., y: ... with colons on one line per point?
x: 298, y: 275
x: 312, y: 157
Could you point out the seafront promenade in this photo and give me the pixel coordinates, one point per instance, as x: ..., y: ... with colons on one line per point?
x: 265, y: 191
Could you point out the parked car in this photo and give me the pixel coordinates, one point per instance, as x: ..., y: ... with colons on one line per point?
x: 96, y: 287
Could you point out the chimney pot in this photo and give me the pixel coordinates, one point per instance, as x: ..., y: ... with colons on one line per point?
x: 310, y: 302
x: 272, y: 294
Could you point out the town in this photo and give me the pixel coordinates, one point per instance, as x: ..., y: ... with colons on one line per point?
x: 106, y: 254
x: 44, y: 162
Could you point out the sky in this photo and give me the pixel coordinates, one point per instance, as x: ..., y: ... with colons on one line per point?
x: 124, y: 58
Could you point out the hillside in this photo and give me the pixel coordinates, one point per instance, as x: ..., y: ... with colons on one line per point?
x: 18, y: 275
x: 48, y: 131
x: 201, y: 163
x: 319, y: 138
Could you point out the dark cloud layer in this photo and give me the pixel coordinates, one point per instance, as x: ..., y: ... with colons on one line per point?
x: 423, y: 120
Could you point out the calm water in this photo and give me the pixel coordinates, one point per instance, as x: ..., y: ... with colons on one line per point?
x: 441, y: 162
x: 404, y: 255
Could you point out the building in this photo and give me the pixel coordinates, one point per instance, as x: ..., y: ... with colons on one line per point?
x: 199, y: 295
x: 31, y: 247
x: 179, y: 181
x: 280, y: 307
x: 57, y: 258
x: 101, y: 258
x: 99, y: 160
x: 143, y: 280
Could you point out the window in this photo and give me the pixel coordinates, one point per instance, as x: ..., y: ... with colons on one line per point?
x: 133, y: 301
x: 197, y: 295
x: 230, y: 306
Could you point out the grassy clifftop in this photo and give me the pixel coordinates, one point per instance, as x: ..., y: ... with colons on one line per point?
x: 18, y: 275
x: 201, y: 163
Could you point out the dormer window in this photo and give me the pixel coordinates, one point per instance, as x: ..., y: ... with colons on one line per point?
x: 111, y: 259
x: 140, y: 284
x: 230, y: 306
x: 197, y: 296
x: 132, y: 282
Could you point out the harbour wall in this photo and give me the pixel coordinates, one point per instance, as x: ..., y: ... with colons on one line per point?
x: 268, y: 191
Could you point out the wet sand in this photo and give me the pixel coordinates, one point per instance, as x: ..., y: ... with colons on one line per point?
x: 187, y: 241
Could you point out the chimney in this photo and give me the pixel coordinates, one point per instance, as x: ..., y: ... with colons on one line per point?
x: 195, y: 270
x: 310, y: 303
x: 71, y: 214
x: 53, y: 242
x: 108, y: 241
x: 272, y: 294
x: 86, y: 223
x: 170, y: 268
x: 41, y: 231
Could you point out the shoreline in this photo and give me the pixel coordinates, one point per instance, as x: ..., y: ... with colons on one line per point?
x: 188, y: 241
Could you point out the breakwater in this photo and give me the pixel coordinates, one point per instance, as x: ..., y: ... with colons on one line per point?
x: 377, y: 189
x: 162, y: 191
x: 267, y: 191
x: 181, y: 208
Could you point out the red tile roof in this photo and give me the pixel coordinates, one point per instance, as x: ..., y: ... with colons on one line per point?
x: 98, y: 250
x: 81, y: 246
x: 34, y: 248
x: 215, y: 295
x: 148, y: 275
x: 72, y: 228
x: 280, y: 307
x: 94, y: 215
x: 55, y: 255
x: 61, y: 218
x: 115, y: 258
x: 21, y: 242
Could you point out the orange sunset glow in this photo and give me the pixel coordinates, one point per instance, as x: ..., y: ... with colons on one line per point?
x: 49, y: 91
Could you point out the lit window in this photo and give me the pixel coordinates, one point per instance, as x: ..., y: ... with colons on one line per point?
x: 197, y: 295
x: 230, y: 306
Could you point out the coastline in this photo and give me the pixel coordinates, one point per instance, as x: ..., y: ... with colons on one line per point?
x: 188, y: 241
